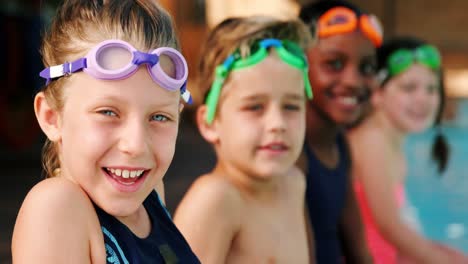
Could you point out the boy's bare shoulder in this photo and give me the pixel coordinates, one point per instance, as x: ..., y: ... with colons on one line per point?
x: 217, y: 189
x: 56, y: 216
x: 211, y: 195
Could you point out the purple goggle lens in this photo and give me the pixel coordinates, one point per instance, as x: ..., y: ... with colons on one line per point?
x: 117, y: 59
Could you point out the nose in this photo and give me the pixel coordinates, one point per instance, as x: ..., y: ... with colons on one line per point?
x: 276, y: 119
x: 133, y: 138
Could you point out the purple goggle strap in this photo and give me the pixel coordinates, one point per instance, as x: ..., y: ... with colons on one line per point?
x: 63, y: 69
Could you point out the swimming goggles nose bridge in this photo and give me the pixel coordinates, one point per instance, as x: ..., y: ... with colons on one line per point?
x: 117, y: 59
x: 267, y: 43
x: 143, y: 57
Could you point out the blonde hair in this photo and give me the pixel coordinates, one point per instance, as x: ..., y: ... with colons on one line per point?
x: 81, y: 24
x: 239, y: 34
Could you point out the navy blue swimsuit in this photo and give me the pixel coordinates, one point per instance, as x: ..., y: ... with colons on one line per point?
x: 325, y: 197
x: 164, y: 244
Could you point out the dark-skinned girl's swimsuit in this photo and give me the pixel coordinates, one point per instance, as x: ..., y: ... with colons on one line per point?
x: 164, y: 244
x: 325, y: 197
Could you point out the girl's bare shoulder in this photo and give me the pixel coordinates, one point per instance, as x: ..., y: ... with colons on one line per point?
x: 366, y: 134
x: 59, y: 197
x: 55, y: 223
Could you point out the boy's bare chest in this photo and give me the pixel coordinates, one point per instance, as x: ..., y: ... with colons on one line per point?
x: 273, y: 235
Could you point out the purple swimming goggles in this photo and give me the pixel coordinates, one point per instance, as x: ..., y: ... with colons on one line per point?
x: 117, y: 59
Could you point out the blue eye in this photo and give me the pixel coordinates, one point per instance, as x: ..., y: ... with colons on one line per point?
x: 159, y: 118
x: 108, y: 112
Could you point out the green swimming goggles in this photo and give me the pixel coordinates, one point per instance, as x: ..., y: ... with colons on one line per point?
x: 288, y: 51
x: 402, y: 59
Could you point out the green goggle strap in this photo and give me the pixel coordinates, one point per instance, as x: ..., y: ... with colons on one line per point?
x: 234, y: 63
x: 402, y: 59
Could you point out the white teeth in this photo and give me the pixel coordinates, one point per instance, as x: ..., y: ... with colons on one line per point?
x: 126, y: 173
x: 349, y: 100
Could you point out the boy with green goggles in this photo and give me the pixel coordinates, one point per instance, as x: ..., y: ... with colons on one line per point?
x: 288, y: 51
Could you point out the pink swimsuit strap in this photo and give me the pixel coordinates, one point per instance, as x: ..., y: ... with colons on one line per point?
x: 382, y: 251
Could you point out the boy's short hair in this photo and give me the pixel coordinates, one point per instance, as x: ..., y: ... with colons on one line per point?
x: 239, y: 34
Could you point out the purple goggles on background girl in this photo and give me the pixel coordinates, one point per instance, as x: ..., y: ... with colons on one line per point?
x: 117, y: 59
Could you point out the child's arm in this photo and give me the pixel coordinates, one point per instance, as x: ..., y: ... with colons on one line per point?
x: 310, y: 236
x: 54, y: 225
x: 352, y: 230
x: 375, y: 174
x: 209, y: 217
x: 351, y: 227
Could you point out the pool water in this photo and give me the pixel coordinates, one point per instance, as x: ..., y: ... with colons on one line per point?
x: 440, y: 201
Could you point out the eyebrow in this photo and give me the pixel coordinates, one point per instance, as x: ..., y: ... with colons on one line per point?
x: 121, y: 100
x: 333, y: 51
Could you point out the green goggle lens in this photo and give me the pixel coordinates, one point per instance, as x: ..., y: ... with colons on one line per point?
x: 402, y: 59
x: 288, y: 51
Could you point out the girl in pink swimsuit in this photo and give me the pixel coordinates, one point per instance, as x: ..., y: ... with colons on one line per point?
x: 381, y: 250
x: 409, y: 100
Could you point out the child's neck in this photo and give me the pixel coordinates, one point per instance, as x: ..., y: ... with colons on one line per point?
x: 139, y: 222
x: 251, y: 185
x: 321, y: 132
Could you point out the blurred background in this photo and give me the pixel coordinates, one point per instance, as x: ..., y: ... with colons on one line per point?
x: 440, y: 202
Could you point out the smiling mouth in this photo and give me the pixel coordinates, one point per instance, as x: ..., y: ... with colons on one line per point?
x: 275, y: 147
x: 125, y: 177
x: 350, y: 99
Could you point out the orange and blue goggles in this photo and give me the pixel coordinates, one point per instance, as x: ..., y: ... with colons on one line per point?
x: 340, y: 20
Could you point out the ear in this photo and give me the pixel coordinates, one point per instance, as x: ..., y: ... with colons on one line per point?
x: 48, y: 118
x: 181, y: 107
x: 208, y: 131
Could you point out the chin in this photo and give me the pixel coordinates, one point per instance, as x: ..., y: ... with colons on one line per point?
x: 418, y: 126
x: 266, y: 175
x: 346, y: 119
x: 122, y: 208
x: 418, y: 129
